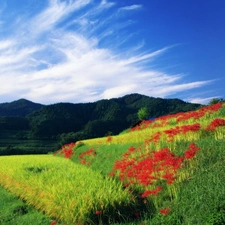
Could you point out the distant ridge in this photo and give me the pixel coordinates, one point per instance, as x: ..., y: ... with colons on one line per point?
x: 159, y: 106
x: 21, y: 107
x: 24, y: 107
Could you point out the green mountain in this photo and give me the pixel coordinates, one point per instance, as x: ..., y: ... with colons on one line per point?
x: 67, y: 122
x: 100, y: 118
x: 21, y: 107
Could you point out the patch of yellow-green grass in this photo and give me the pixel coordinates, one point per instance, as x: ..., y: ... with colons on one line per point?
x: 63, y: 190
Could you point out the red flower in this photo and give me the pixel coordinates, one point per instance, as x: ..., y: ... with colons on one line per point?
x: 109, y: 139
x: 98, y: 212
x: 131, y: 149
x: 193, y: 147
x: 67, y: 150
x: 190, y: 153
x: 54, y: 222
x: 169, y: 177
x: 87, y: 156
x: 216, y: 123
x: 151, y: 192
x: 164, y: 211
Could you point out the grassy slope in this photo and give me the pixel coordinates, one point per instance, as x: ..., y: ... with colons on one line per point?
x: 200, y: 198
x: 14, y: 211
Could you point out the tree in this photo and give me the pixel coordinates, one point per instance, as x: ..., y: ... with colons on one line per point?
x: 143, y: 113
x: 216, y: 100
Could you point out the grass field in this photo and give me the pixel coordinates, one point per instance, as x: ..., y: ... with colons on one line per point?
x: 167, y: 171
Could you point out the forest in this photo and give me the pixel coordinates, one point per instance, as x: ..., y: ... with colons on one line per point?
x: 26, y: 125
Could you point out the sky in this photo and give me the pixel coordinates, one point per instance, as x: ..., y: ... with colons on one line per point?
x: 86, y: 50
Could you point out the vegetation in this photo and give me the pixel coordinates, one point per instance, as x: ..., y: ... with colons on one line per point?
x: 216, y: 100
x: 62, y: 123
x: 169, y: 170
x: 60, y: 190
x: 143, y: 113
x: 21, y: 108
x: 14, y: 211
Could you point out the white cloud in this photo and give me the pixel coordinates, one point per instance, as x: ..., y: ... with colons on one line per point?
x: 143, y: 57
x: 119, y: 91
x: 201, y: 100
x: 54, y: 13
x: 46, y: 60
x: 131, y: 7
x: 166, y: 90
x: 5, y: 44
x: 106, y: 4
x: 17, y: 56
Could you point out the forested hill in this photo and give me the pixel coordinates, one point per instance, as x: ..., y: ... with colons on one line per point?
x: 21, y: 107
x: 71, y: 122
x: 100, y: 118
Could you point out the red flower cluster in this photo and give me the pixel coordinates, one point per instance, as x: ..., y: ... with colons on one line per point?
x: 155, y: 137
x: 151, y: 192
x: 66, y: 150
x: 192, y: 114
x: 191, y: 152
x: 129, y: 152
x: 162, y: 121
x: 181, y: 130
x: 216, y: 123
x: 85, y: 157
x: 164, y: 211
x: 143, y: 125
x: 146, y: 169
x: 199, y: 113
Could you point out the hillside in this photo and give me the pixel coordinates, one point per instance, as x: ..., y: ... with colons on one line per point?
x: 21, y: 107
x: 23, y: 121
x: 169, y: 170
x: 100, y: 118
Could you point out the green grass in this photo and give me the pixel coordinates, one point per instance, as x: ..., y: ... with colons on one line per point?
x: 14, y: 211
x: 106, y: 155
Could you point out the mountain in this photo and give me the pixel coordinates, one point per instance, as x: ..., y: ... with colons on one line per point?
x: 26, y: 125
x: 88, y: 120
x: 21, y: 107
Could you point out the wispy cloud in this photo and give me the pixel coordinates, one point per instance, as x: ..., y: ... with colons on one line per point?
x: 201, y: 100
x: 68, y: 51
x: 167, y: 90
x: 131, y: 7
x: 55, y: 13
x: 5, y: 44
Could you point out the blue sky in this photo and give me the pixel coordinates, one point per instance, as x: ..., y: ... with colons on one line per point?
x: 86, y: 50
